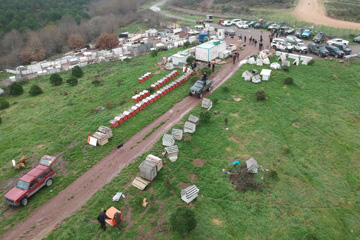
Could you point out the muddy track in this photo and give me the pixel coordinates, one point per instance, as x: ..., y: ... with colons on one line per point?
x: 51, y: 214
x: 314, y: 11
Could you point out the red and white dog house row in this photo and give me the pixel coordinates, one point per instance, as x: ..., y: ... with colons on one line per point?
x: 126, y: 115
x: 165, y: 79
x: 141, y: 96
x: 145, y: 77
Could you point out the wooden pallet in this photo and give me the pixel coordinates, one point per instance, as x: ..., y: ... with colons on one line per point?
x: 140, y: 183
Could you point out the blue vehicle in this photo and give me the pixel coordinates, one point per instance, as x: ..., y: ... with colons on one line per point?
x: 306, y: 33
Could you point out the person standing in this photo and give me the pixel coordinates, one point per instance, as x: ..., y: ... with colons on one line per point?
x: 209, y: 65
x: 255, y: 42
x: 234, y: 58
x: 250, y: 40
x: 213, y: 67
x: 245, y: 39
x: 240, y: 37
x: 237, y: 56
x: 135, y: 91
x: 101, y: 218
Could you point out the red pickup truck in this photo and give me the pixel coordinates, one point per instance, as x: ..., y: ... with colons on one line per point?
x: 31, y: 182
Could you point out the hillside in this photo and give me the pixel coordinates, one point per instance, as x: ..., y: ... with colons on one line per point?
x: 304, y: 136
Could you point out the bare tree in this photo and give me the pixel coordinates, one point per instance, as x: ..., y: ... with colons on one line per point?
x: 107, y: 41
x: 52, y: 39
x: 34, y: 50
x: 76, y: 41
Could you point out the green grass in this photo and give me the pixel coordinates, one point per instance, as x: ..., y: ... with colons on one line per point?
x: 147, y: 6
x: 58, y: 121
x: 132, y: 28
x: 5, y: 75
x: 306, y: 132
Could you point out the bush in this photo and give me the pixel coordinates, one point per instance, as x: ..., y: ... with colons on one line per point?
x: 244, y: 181
x: 289, y: 81
x: 16, y: 89
x: 97, y: 83
x: 190, y: 59
x: 77, y: 72
x: 183, y: 220
x: 207, y: 70
x: 195, y: 43
x: 285, y: 68
x: 205, y: 116
x: 311, y: 62
x: 225, y: 89
x: 35, y: 90
x: 4, y: 104
x: 186, y: 44
x: 154, y: 53
x: 55, y: 79
x: 260, y: 95
x: 72, y: 81
x: 162, y: 48
x: 215, y: 100
x: 273, y: 175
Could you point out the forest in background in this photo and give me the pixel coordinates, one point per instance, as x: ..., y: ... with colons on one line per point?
x: 49, y: 27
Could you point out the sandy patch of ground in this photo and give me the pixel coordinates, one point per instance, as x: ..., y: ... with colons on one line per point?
x: 198, y: 162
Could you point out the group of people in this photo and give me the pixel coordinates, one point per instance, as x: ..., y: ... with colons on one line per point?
x: 253, y: 41
x: 116, y: 220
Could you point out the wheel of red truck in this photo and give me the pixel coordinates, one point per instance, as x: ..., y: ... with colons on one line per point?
x: 49, y: 182
x: 24, y: 201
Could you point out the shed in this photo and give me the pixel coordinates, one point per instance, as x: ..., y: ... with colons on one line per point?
x: 172, y: 152
x: 189, y: 193
x: 265, y: 73
x: 206, y: 103
x: 148, y: 170
x: 156, y: 160
x: 193, y: 119
x: 210, y: 50
x: 168, y: 140
x: 252, y: 165
x: 189, y: 127
x: 256, y: 79
x: 247, y: 76
x: 177, y: 133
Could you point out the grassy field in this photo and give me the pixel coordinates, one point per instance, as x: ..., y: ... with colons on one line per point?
x: 306, y: 132
x: 58, y: 122
x: 344, y: 9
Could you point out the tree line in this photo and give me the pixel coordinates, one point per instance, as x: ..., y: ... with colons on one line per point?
x: 67, y: 33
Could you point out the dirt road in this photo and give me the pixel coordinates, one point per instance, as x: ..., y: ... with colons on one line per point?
x: 314, y: 11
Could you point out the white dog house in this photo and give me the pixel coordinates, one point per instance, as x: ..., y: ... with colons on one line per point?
x: 265, y: 74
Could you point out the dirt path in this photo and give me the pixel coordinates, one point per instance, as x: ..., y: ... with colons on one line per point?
x: 314, y: 11
x: 51, y: 214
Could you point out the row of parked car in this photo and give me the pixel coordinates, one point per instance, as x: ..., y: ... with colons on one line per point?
x: 279, y: 27
x: 336, y: 47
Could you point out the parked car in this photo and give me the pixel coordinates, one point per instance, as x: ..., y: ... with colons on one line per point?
x: 337, y: 40
x: 292, y: 39
x: 199, y: 21
x: 334, y: 51
x: 281, y: 45
x: 267, y: 24
x: 257, y: 25
x: 226, y: 23
x: 251, y: 23
x: 234, y: 21
x: 298, y: 32
x: 288, y: 30
x: 199, y: 87
x: 342, y: 47
x: 40, y: 176
x: 242, y: 25
x: 300, y: 47
x: 318, y: 49
x: 230, y: 32
x: 306, y: 33
x: 319, y: 37
x: 357, y: 39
